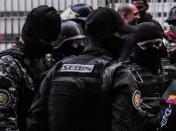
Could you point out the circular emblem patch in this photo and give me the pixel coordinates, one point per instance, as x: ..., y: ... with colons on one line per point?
x: 4, y: 98
x: 136, y: 99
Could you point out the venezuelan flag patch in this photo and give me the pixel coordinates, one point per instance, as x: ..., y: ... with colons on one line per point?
x: 171, y: 100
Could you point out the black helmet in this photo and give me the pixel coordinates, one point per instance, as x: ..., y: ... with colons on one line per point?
x: 172, y: 15
x: 70, y: 30
x: 77, y: 11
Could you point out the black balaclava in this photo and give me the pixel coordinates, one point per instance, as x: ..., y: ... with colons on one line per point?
x: 41, y: 28
x: 106, y: 28
x: 150, y: 57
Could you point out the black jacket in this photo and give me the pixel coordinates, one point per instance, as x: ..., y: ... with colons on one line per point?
x: 89, y: 92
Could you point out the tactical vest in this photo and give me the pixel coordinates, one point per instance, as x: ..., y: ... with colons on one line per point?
x: 88, y: 84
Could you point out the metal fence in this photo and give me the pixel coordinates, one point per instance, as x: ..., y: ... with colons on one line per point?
x: 13, y: 13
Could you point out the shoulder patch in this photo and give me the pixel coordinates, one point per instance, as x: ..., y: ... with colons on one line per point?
x: 77, y: 68
x: 136, y: 99
x: 4, y: 98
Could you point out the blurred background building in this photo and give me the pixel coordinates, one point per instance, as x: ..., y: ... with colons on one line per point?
x: 13, y: 13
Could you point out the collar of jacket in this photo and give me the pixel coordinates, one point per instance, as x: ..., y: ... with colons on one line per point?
x: 92, y: 48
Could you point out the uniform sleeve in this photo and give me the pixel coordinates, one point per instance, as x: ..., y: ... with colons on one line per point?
x: 37, y: 119
x: 8, y: 94
x: 123, y: 110
x: 168, y: 112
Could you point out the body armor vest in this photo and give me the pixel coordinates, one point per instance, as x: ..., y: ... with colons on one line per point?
x: 88, y: 83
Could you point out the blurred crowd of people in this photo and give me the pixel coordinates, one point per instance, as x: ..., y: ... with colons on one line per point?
x: 90, y: 70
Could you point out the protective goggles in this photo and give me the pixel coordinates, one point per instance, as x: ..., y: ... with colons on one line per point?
x: 157, y: 43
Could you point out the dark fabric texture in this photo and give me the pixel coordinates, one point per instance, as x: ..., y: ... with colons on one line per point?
x: 147, y: 31
x: 73, y: 101
x: 127, y: 47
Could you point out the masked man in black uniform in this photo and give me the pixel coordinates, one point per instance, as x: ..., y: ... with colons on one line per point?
x: 91, y: 91
x: 18, y: 77
x: 150, y: 74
